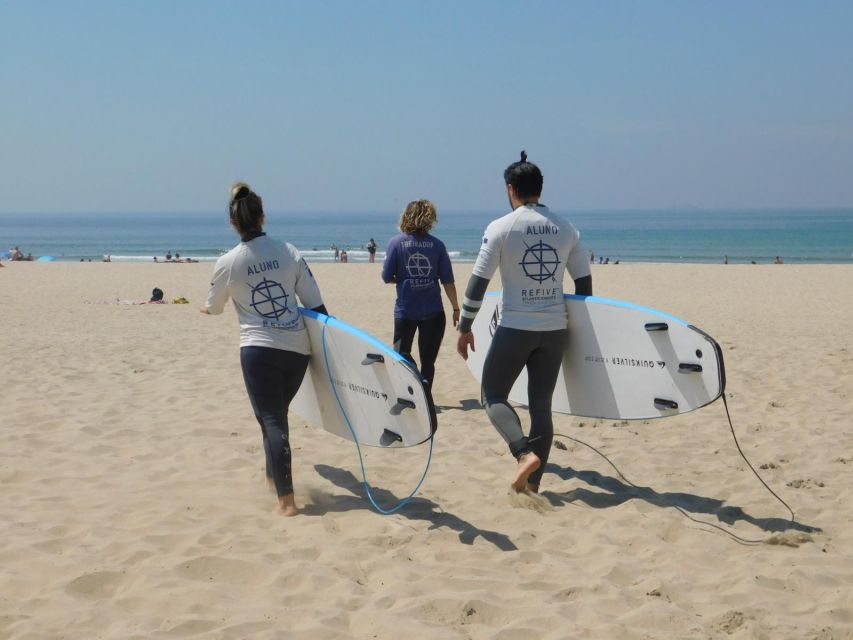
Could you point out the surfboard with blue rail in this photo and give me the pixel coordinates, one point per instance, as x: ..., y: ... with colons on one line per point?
x: 622, y: 361
x: 358, y: 387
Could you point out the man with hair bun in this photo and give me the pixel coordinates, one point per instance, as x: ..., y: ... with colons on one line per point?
x: 532, y: 247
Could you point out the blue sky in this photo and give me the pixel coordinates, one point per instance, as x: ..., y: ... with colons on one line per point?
x: 363, y: 106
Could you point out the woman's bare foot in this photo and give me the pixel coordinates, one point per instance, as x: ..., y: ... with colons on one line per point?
x: 287, y: 506
x: 527, y: 464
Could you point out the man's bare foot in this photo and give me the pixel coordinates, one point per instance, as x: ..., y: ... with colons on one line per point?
x: 287, y: 506
x: 527, y: 464
x: 532, y: 488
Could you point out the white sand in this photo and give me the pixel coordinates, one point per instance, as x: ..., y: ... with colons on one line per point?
x: 135, y: 506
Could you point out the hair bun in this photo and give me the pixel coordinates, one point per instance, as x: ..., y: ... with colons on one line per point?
x: 524, y: 156
x: 240, y: 190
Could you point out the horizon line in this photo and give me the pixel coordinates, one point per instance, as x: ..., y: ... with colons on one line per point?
x: 661, y: 209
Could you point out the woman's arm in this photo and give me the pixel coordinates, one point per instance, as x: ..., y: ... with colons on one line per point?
x: 450, y: 290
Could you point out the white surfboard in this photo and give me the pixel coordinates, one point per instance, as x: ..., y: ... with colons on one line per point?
x: 354, y: 376
x: 623, y: 361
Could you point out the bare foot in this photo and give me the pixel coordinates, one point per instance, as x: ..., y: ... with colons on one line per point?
x: 287, y: 506
x: 527, y: 464
x: 532, y: 488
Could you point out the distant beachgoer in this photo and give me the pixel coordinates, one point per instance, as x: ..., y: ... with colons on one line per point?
x: 156, y: 297
x: 344, y: 257
x: 155, y: 259
x: 725, y: 259
x: 260, y: 275
x: 532, y: 330
x: 334, y: 248
x: 778, y: 260
x: 592, y: 257
x: 371, y: 250
x: 107, y: 259
x: 754, y: 262
x: 169, y: 255
x: 416, y: 262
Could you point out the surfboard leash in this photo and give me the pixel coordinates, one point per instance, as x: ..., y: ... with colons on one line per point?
x: 746, y: 541
x: 402, y: 503
x: 748, y: 463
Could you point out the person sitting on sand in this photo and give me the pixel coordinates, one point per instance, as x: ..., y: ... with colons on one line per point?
x: 532, y: 331
x: 156, y: 297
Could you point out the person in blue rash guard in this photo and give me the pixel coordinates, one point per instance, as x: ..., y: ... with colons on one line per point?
x: 532, y: 247
x: 416, y: 262
x: 263, y: 277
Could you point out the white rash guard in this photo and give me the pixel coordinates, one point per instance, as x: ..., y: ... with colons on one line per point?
x: 533, y: 247
x: 263, y: 277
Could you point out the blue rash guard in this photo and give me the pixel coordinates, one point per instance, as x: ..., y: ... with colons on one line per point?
x: 417, y: 263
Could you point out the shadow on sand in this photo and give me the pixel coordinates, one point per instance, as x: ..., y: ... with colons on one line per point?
x: 615, y: 492
x: 417, y: 509
x: 464, y: 405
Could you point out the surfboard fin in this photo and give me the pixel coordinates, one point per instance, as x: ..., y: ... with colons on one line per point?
x: 660, y: 403
x: 401, y: 405
x: 657, y: 326
x: 389, y: 438
x: 373, y: 358
x: 687, y: 367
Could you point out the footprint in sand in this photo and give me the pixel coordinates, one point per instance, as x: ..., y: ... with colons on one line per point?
x: 97, y: 585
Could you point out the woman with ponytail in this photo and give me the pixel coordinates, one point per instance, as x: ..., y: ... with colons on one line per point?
x: 263, y: 278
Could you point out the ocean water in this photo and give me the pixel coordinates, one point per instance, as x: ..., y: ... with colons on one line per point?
x: 797, y: 236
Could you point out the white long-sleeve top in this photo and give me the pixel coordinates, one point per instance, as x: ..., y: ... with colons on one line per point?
x: 533, y: 247
x: 264, y: 277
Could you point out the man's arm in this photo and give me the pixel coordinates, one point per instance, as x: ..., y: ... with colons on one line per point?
x: 583, y: 286
x: 471, y: 304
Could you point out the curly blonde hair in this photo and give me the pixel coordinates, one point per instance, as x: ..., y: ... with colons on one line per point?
x: 419, y: 217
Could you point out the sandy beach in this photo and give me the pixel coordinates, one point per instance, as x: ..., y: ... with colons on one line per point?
x: 135, y: 503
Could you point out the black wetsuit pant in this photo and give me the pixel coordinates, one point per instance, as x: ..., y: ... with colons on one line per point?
x: 272, y: 378
x: 430, y: 333
x: 542, y: 353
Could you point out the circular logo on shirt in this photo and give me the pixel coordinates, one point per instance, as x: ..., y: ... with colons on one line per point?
x: 540, y: 262
x: 418, y: 266
x: 269, y: 299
